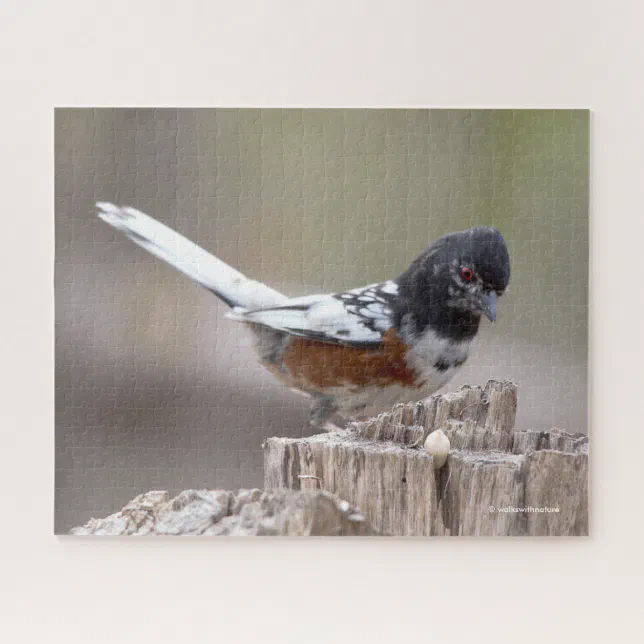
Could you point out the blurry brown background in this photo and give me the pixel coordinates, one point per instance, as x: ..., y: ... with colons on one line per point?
x: 156, y: 389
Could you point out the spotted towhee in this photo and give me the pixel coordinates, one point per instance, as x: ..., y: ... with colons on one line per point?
x: 361, y: 351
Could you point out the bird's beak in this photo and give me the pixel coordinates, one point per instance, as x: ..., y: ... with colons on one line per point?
x: 487, y: 305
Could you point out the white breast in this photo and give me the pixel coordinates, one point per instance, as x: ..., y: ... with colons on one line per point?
x: 427, y: 352
x: 431, y: 350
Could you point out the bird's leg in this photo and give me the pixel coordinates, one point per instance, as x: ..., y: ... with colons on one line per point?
x: 321, y: 412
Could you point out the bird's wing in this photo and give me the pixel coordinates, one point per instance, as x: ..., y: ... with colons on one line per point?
x: 359, y: 317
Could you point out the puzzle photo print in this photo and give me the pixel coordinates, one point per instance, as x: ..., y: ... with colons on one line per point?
x: 317, y: 322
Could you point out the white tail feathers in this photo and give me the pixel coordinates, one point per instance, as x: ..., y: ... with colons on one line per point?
x: 228, y: 284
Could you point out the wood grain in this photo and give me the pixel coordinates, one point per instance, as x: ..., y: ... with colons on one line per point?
x: 496, y: 482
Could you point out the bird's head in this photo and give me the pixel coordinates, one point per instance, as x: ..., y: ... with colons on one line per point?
x: 459, y: 277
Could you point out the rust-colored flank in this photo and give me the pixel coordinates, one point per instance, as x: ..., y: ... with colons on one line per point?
x: 320, y: 365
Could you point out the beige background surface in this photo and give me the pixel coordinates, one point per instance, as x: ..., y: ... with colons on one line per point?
x: 573, y: 54
x: 156, y: 389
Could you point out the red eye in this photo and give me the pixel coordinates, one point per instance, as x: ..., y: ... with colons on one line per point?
x: 466, y: 273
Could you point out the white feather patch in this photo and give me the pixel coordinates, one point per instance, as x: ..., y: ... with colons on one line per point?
x: 189, y: 258
x: 323, y: 316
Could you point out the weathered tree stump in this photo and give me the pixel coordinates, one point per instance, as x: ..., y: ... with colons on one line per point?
x: 497, y: 481
x: 241, y: 513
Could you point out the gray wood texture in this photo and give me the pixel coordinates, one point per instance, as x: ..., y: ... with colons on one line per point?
x: 223, y: 513
x: 496, y: 482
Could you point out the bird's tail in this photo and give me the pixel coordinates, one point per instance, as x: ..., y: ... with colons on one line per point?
x: 225, y: 282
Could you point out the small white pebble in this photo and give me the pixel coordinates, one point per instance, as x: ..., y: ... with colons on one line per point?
x: 437, y: 444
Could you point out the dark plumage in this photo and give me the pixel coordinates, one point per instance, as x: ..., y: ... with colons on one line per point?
x: 434, y: 293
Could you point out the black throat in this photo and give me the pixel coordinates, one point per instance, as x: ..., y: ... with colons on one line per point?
x: 446, y: 321
x: 424, y: 293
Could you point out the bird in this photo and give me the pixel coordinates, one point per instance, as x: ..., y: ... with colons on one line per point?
x: 358, y: 352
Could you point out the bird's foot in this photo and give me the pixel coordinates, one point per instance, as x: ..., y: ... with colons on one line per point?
x: 323, y: 415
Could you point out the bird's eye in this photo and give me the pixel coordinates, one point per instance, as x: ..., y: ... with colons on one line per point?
x: 466, y: 273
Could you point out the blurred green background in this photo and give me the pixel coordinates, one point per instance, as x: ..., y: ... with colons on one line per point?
x: 156, y: 389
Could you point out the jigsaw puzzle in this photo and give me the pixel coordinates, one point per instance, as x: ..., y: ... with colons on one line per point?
x: 321, y: 322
